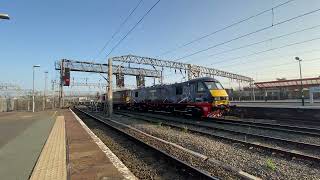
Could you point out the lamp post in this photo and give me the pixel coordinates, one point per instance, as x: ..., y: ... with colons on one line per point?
x: 45, y: 89
x: 302, y: 95
x: 33, y: 105
x: 4, y: 16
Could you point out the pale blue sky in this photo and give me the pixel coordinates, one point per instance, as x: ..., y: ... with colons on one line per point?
x: 41, y: 32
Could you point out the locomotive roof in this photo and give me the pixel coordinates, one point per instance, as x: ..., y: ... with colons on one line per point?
x: 192, y: 80
x: 203, y: 79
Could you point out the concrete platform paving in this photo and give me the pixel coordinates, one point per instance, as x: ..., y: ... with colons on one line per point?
x: 51, y: 164
x: 40, y: 146
x: 275, y: 104
x: 89, y: 158
x: 22, y: 136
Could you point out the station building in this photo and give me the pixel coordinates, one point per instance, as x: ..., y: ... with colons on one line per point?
x: 281, y: 89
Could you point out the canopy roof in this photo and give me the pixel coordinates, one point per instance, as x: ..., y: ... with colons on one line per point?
x: 306, y: 82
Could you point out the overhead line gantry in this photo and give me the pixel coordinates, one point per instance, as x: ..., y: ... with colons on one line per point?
x: 193, y: 71
x: 66, y: 65
x: 85, y: 66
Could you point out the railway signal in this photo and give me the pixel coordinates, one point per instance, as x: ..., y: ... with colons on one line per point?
x: 66, y: 77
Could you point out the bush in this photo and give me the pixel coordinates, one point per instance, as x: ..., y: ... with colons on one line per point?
x: 270, y: 164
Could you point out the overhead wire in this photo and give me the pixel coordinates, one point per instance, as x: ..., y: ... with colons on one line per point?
x: 288, y: 63
x: 305, y: 61
x: 282, y: 64
x: 124, y: 37
x: 248, y: 34
x: 291, y: 54
x: 118, y: 29
x: 288, y: 55
x: 224, y: 28
x: 264, y: 51
x: 259, y: 42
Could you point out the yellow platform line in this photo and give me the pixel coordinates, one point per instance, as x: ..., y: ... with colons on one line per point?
x: 52, y: 161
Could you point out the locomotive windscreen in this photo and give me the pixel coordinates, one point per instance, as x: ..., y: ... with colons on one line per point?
x: 213, y: 85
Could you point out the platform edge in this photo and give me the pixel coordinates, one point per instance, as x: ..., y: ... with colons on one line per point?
x: 127, y: 174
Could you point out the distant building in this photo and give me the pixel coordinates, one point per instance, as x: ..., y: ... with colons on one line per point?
x: 280, y: 89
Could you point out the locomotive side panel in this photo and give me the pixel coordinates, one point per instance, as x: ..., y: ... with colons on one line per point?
x: 202, y: 96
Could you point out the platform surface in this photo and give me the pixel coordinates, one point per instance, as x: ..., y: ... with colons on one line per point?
x: 22, y: 136
x: 54, y: 145
x: 51, y: 164
x: 86, y: 159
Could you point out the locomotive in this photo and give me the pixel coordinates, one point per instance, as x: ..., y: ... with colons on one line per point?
x: 204, y: 97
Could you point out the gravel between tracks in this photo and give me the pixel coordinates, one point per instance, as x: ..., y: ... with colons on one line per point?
x: 237, y: 155
x: 255, y: 130
x: 273, y: 121
x: 142, y: 162
x: 273, y: 143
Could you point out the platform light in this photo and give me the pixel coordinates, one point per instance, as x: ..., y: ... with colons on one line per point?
x: 301, y: 88
x: 33, y: 105
x: 4, y: 16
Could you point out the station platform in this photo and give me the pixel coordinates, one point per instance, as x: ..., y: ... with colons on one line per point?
x: 309, y: 114
x: 277, y: 104
x: 54, y: 145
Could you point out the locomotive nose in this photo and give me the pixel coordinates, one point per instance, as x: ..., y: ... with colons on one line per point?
x: 218, y: 93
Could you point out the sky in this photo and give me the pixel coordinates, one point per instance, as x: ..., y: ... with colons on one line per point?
x: 43, y: 32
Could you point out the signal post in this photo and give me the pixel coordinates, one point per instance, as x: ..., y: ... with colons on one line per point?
x: 109, y: 88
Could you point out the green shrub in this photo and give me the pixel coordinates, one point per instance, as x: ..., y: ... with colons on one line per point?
x: 270, y: 164
x: 185, y: 129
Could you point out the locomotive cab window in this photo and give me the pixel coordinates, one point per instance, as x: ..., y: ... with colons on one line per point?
x: 213, y: 85
x: 178, y: 90
x: 200, y: 87
x: 136, y: 94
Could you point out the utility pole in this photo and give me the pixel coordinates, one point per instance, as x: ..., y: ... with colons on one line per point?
x: 45, y: 89
x: 110, y: 95
x: 301, y: 87
x: 33, y: 104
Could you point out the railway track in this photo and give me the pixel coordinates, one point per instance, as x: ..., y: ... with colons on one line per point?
x: 198, y: 173
x: 303, y: 130
x: 181, y: 125
x: 268, y: 126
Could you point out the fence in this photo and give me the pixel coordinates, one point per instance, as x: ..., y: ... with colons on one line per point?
x: 25, y: 103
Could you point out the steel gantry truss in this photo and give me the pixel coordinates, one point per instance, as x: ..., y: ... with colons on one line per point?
x: 194, y: 71
x: 118, y: 70
x: 83, y: 66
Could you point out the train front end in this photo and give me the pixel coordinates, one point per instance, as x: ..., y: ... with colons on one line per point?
x: 220, y: 99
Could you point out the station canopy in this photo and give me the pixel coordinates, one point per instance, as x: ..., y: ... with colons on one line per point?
x: 306, y: 82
